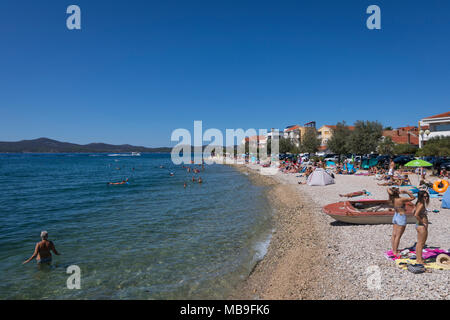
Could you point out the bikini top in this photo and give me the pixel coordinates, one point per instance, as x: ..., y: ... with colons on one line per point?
x: 402, y: 207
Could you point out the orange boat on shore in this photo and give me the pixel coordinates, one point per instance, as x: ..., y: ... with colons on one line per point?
x: 366, y: 211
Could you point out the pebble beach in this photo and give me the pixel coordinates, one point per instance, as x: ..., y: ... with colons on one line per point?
x: 312, y: 256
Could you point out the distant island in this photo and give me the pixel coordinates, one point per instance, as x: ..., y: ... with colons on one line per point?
x: 45, y: 145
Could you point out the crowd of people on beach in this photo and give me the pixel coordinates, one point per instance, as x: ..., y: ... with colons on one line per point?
x: 390, y: 175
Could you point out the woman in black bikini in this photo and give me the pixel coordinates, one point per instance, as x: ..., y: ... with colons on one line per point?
x: 420, y: 212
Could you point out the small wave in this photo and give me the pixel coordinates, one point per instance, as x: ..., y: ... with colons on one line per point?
x: 261, y: 247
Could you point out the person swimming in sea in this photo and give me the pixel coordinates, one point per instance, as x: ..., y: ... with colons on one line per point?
x: 200, y: 180
x: 185, y: 185
x: 42, y: 251
x: 193, y: 179
x: 116, y: 183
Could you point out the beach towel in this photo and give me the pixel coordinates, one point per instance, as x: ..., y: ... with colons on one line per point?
x: 407, y: 185
x: 330, y: 164
x: 410, y: 253
x: 429, y: 264
x: 435, y: 196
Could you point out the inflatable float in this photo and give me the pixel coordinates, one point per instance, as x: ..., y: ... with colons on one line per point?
x: 440, y: 186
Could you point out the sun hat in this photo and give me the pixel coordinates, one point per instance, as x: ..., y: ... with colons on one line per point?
x: 443, y: 260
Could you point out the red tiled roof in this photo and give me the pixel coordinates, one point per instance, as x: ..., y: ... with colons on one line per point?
x: 401, y: 137
x: 334, y: 126
x: 255, y: 138
x: 442, y: 115
x: 408, y: 128
x: 292, y: 128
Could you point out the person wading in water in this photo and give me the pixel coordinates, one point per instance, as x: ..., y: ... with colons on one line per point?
x: 43, y: 249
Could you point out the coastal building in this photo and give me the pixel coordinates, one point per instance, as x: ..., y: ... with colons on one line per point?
x: 260, y: 141
x: 325, y: 133
x: 434, y: 126
x: 297, y: 132
x: 275, y: 133
x: 294, y: 133
x: 403, y: 135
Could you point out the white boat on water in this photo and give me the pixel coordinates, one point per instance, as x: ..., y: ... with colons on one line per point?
x: 135, y: 154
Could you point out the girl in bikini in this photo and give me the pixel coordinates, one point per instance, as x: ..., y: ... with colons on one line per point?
x: 399, y: 219
x: 420, y: 212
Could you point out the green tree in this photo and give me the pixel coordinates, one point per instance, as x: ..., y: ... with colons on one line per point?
x: 338, y: 141
x: 437, y: 146
x: 364, y: 139
x: 286, y: 145
x: 405, y: 149
x: 310, y: 142
x: 386, y: 146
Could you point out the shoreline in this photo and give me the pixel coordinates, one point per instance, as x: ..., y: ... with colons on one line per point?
x: 297, y: 251
x: 312, y: 257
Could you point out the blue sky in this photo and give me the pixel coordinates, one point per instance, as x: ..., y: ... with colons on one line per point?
x: 139, y: 69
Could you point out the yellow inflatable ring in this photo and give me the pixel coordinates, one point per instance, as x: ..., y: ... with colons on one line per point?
x: 437, y: 183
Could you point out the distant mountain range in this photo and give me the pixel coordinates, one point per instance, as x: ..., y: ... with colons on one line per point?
x: 45, y: 145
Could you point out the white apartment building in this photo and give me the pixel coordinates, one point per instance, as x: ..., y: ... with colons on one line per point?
x: 430, y: 127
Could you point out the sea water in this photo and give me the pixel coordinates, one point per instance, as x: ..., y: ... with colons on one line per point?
x: 148, y: 239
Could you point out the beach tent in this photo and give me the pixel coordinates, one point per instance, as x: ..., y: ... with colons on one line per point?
x: 446, y: 199
x: 367, y: 164
x: 319, y: 177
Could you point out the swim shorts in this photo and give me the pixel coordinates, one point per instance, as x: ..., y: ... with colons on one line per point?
x: 45, y: 260
x: 399, y: 219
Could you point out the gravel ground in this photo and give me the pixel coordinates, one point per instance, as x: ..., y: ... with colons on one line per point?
x: 353, y: 254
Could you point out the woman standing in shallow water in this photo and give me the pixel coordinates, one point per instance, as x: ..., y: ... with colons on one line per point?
x: 42, y: 251
x: 420, y: 212
x: 399, y: 219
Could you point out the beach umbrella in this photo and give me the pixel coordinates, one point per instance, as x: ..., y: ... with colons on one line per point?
x: 417, y: 163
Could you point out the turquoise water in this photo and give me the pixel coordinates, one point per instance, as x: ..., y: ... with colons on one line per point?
x: 150, y: 239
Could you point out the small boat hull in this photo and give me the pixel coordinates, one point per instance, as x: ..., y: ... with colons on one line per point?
x: 366, y: 212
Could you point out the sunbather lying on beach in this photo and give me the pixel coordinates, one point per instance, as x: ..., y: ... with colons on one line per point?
x: 389, y: 183
x: 308, y: 171
x: 425, y: 183
x: 355, y: 194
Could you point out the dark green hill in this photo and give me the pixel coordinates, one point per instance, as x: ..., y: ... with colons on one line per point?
x: 45, y: 145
